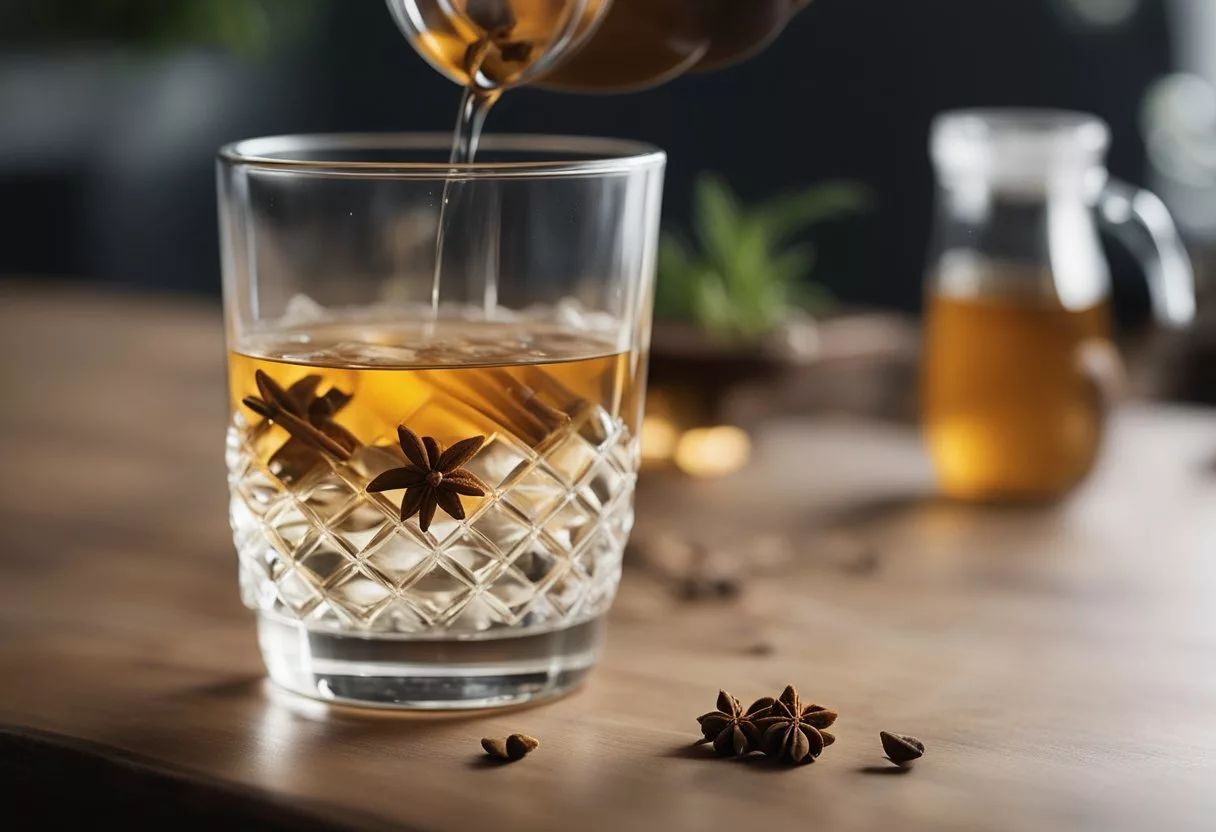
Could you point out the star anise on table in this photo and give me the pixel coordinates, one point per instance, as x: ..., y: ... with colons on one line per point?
x: 732, y: 730
x: 901, y: 749
x: 307, y: 417
x: 434, y: 478
x: 792, y: 733
x: 512, y: 748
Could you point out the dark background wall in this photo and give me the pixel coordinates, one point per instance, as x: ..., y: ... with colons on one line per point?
x: 106, y: 153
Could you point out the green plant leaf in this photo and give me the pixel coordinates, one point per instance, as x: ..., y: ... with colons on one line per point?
x: 712, y: 306
x: 785, y: 216
x: 674, y: 253
x: 744, y: 266
x: 742, y: 284
x: 677, y: 274
x: 716, y: 217
x: 792, y: 265
x: 815, y: 298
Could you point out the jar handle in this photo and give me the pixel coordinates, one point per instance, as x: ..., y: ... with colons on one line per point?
x: 1140, y: 220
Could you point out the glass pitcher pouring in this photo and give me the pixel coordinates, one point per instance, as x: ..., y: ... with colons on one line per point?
x: 586, y: 45
x: 1019, y: 363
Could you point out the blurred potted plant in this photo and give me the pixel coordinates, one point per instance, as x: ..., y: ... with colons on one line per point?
x: 737, y: 306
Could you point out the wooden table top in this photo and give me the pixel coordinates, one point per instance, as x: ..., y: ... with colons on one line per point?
x: 1060, y: 664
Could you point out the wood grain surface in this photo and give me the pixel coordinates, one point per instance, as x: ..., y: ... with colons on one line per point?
x: 1059, y: 663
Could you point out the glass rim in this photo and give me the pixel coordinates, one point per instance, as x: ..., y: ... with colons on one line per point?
x: 298, y: 153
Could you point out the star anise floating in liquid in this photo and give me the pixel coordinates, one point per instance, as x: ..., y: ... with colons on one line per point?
x: 307, y: 417
x: 434, y: 478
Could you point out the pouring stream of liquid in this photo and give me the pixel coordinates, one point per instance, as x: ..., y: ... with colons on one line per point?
x: 475, y: 105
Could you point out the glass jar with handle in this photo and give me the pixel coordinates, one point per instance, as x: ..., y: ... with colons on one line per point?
x: 1019, y: 362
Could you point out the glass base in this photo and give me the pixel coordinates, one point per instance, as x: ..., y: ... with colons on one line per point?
x: 427, y: 673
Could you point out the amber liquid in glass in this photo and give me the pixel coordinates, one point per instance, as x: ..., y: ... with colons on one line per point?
x: 465, y: 379
x: 539, y: 552
x: 1013, y: 396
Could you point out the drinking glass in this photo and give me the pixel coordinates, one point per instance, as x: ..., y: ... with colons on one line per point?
x: 436, y: 378
x: 1019, y: 360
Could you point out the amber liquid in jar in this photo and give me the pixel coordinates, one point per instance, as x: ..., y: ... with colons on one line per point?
x: 1014, y: 394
